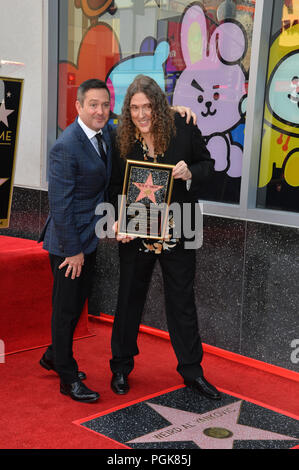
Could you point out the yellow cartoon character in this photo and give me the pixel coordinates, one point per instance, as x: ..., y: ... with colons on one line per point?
x: 280, y: 145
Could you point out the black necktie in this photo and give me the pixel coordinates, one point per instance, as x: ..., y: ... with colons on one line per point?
x: 100, y: 139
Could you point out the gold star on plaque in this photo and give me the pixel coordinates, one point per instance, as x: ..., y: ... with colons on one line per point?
x: 148, y: 189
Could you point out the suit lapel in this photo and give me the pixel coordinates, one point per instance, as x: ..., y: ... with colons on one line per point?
x: 90, y: 150
x: 107, y: 138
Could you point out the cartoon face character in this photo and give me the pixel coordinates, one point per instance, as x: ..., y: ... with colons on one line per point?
x: 294, y: 96
x: 283, y: 92
x: 214, y: 97
x: 280, y: 144
x: 213, y: 83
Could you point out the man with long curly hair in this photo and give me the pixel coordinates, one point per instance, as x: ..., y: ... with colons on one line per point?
x: 149, y: 129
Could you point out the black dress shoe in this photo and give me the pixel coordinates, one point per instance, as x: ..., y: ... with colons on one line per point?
x: 119, y: 383
x: 48, y: 364
x: 202, y: 386
x: 79, y: 392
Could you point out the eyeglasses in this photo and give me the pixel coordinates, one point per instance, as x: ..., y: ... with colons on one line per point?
x: 146, y: 108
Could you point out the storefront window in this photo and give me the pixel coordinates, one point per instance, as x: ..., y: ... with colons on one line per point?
x: 198, y: 52
x: 278, y: 185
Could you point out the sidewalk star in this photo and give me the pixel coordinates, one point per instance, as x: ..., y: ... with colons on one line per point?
x: 216, y: 429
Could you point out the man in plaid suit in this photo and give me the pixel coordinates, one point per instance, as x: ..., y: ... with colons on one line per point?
x: 79, y: 173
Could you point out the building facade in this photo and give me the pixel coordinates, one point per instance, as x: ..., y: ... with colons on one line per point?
x: 235, y: 63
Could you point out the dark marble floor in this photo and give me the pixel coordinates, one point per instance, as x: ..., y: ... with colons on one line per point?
x: 29, y: 211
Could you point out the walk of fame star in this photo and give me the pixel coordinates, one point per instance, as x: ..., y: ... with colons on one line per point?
x: 147, y: 189
x: 3, y: 180
x: 4, y: 113
x: 216, y: 429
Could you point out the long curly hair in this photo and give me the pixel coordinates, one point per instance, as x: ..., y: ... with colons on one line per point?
x: 162, y: 128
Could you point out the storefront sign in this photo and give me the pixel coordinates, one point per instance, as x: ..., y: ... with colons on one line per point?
x: 10, y: 105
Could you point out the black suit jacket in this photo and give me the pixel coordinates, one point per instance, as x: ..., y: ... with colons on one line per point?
x: 188, y: 145
x: 78, y: 181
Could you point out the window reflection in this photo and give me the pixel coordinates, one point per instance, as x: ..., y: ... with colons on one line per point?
x: 279, y: 160
x: 178, y: 43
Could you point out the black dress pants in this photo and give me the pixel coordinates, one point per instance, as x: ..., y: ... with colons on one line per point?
x: 178, y: 270
x: 68, y: 299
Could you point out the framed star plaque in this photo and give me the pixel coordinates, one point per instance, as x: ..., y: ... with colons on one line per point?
x: 10, y: 105
x: 145, y: 200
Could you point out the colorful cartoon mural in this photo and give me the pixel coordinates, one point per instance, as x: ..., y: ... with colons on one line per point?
x: 280, y: 144
x: 213, y: 84
x: 93, y: 61
x: 197, y: 59
x: 125, y: 71
x: 94, y: 8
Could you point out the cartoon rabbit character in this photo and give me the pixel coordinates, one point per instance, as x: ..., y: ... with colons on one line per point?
x: 213, y: 85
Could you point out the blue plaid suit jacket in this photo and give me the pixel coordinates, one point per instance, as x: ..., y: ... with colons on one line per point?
x: 78, y: 182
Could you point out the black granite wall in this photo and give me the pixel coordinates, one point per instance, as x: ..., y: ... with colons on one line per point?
x: 246, y: 284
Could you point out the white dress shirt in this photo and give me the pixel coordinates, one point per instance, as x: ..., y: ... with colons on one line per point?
x: 91, y: 135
